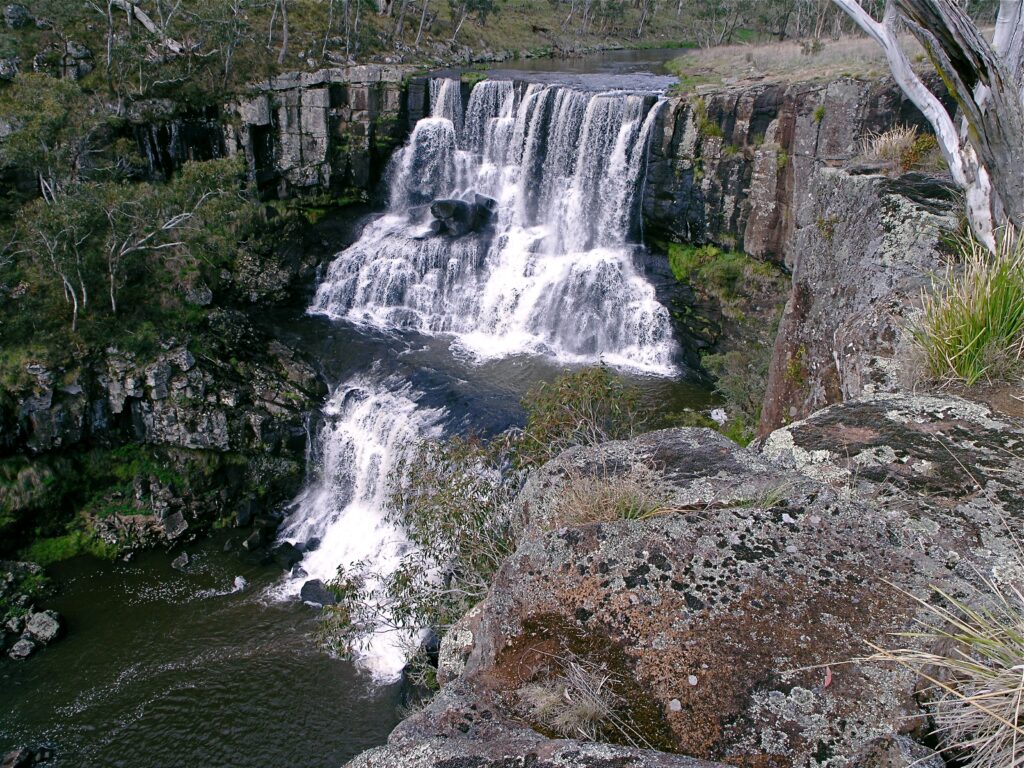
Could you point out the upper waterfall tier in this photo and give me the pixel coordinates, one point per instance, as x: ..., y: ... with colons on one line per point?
x: 554, y: 272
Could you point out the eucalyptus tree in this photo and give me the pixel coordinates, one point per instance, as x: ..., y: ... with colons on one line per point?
x: 983, y: 142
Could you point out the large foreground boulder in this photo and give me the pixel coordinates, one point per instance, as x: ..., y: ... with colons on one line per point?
x: 730, y: 616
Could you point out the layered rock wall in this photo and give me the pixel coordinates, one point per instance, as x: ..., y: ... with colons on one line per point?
x: 729, y: 166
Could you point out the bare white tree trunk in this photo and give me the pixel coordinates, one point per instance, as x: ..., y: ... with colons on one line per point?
x: 986, y: 156
x: 151, y: 26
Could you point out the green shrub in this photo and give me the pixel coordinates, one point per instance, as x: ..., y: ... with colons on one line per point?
x: 585, y: 407
x: 819, y: 113
x: 708, y: 267
x: 454, y: 499
x: 973, y: 320
x: 741, y: 378
x: 52, y: 550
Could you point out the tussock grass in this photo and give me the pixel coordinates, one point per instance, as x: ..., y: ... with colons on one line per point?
x: 972, y: 326
x: 630, y: 495
x: 903, y: 149
x: 575, y: 698
x: 576, y: 704
x: 973, y: 660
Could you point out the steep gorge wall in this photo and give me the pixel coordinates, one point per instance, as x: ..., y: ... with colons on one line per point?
x: 329, y: 132
x: 729, y: 165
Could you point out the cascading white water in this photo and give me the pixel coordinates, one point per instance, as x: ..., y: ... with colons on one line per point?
x: 368, y: 427
x: 553, y: 274
x: 556, y: 274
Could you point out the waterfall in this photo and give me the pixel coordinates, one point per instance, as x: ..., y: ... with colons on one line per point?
x: 552, y: 270
x: 556, y: 271
x: 368, y: 427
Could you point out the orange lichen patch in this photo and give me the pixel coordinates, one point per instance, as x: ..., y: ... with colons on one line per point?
x: 705, y: 662
x: 547, y: 641
x: 854, y: 435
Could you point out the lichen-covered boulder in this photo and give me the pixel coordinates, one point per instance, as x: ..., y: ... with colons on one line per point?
x: 729, y: 610
x: 467, y: 726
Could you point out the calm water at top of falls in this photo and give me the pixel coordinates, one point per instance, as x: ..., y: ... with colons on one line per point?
x: 418, y: 336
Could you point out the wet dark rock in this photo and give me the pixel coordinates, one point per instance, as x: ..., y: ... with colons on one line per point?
x: 311, y: 545
x: 22, y: 649
x: 286, y: 555
x: 246, y: 512
x: 315, y: 591
x: 180, y: 563
x: 253, y: 541
x: 43, y: 627
x: 457, y: 217
x: 298, y: 572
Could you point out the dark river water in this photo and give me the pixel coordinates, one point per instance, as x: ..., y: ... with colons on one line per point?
x: 163, y: 669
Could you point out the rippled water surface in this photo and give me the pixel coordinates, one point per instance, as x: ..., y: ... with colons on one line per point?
x: 162, y: 669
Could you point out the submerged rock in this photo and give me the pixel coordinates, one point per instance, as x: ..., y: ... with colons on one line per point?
x: 180, y: 563
x: 22, y: 649
x: 286, y: 555
x: 43, y: 627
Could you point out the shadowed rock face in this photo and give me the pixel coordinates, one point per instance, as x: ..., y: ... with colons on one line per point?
x: 732, y: 166
x: 718, y: 616
x: 863, y: 248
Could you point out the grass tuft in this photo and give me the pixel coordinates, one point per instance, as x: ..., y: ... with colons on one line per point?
x: 903, y: 149
x: 972, y: 326
x: 973, y: 659
x: 630, y: 495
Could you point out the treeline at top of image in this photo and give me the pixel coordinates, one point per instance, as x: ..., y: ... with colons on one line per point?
x: 193, y: 50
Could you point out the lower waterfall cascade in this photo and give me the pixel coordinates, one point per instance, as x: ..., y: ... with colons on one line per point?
x: 553, y: 272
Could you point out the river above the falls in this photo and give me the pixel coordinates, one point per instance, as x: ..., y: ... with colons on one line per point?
x: 417, y: 334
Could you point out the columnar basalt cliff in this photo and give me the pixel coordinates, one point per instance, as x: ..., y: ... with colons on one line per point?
x: 730, y: 165
x: 329, y: 132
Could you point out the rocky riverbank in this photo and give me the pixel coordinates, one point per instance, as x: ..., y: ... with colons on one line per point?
x: 732, y: 625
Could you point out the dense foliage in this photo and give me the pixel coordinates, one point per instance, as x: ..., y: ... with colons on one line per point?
x: 192, y: 50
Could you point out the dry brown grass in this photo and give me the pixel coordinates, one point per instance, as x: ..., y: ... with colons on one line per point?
x: 609, y: 496
x: 971, y: 653
x: 790, y: 61
x: 903, y: 149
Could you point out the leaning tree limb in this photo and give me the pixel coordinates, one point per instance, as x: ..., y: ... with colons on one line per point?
x: 986, y: 156
x: 133, y: 10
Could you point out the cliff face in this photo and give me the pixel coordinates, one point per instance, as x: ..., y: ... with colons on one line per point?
x: 863, y: 248
x: 149, y: 450
x: 329, y: 132
x: 729, y: 166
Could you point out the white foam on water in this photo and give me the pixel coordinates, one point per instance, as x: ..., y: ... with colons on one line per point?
x: 557, y: 274
x: 369, y: 427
